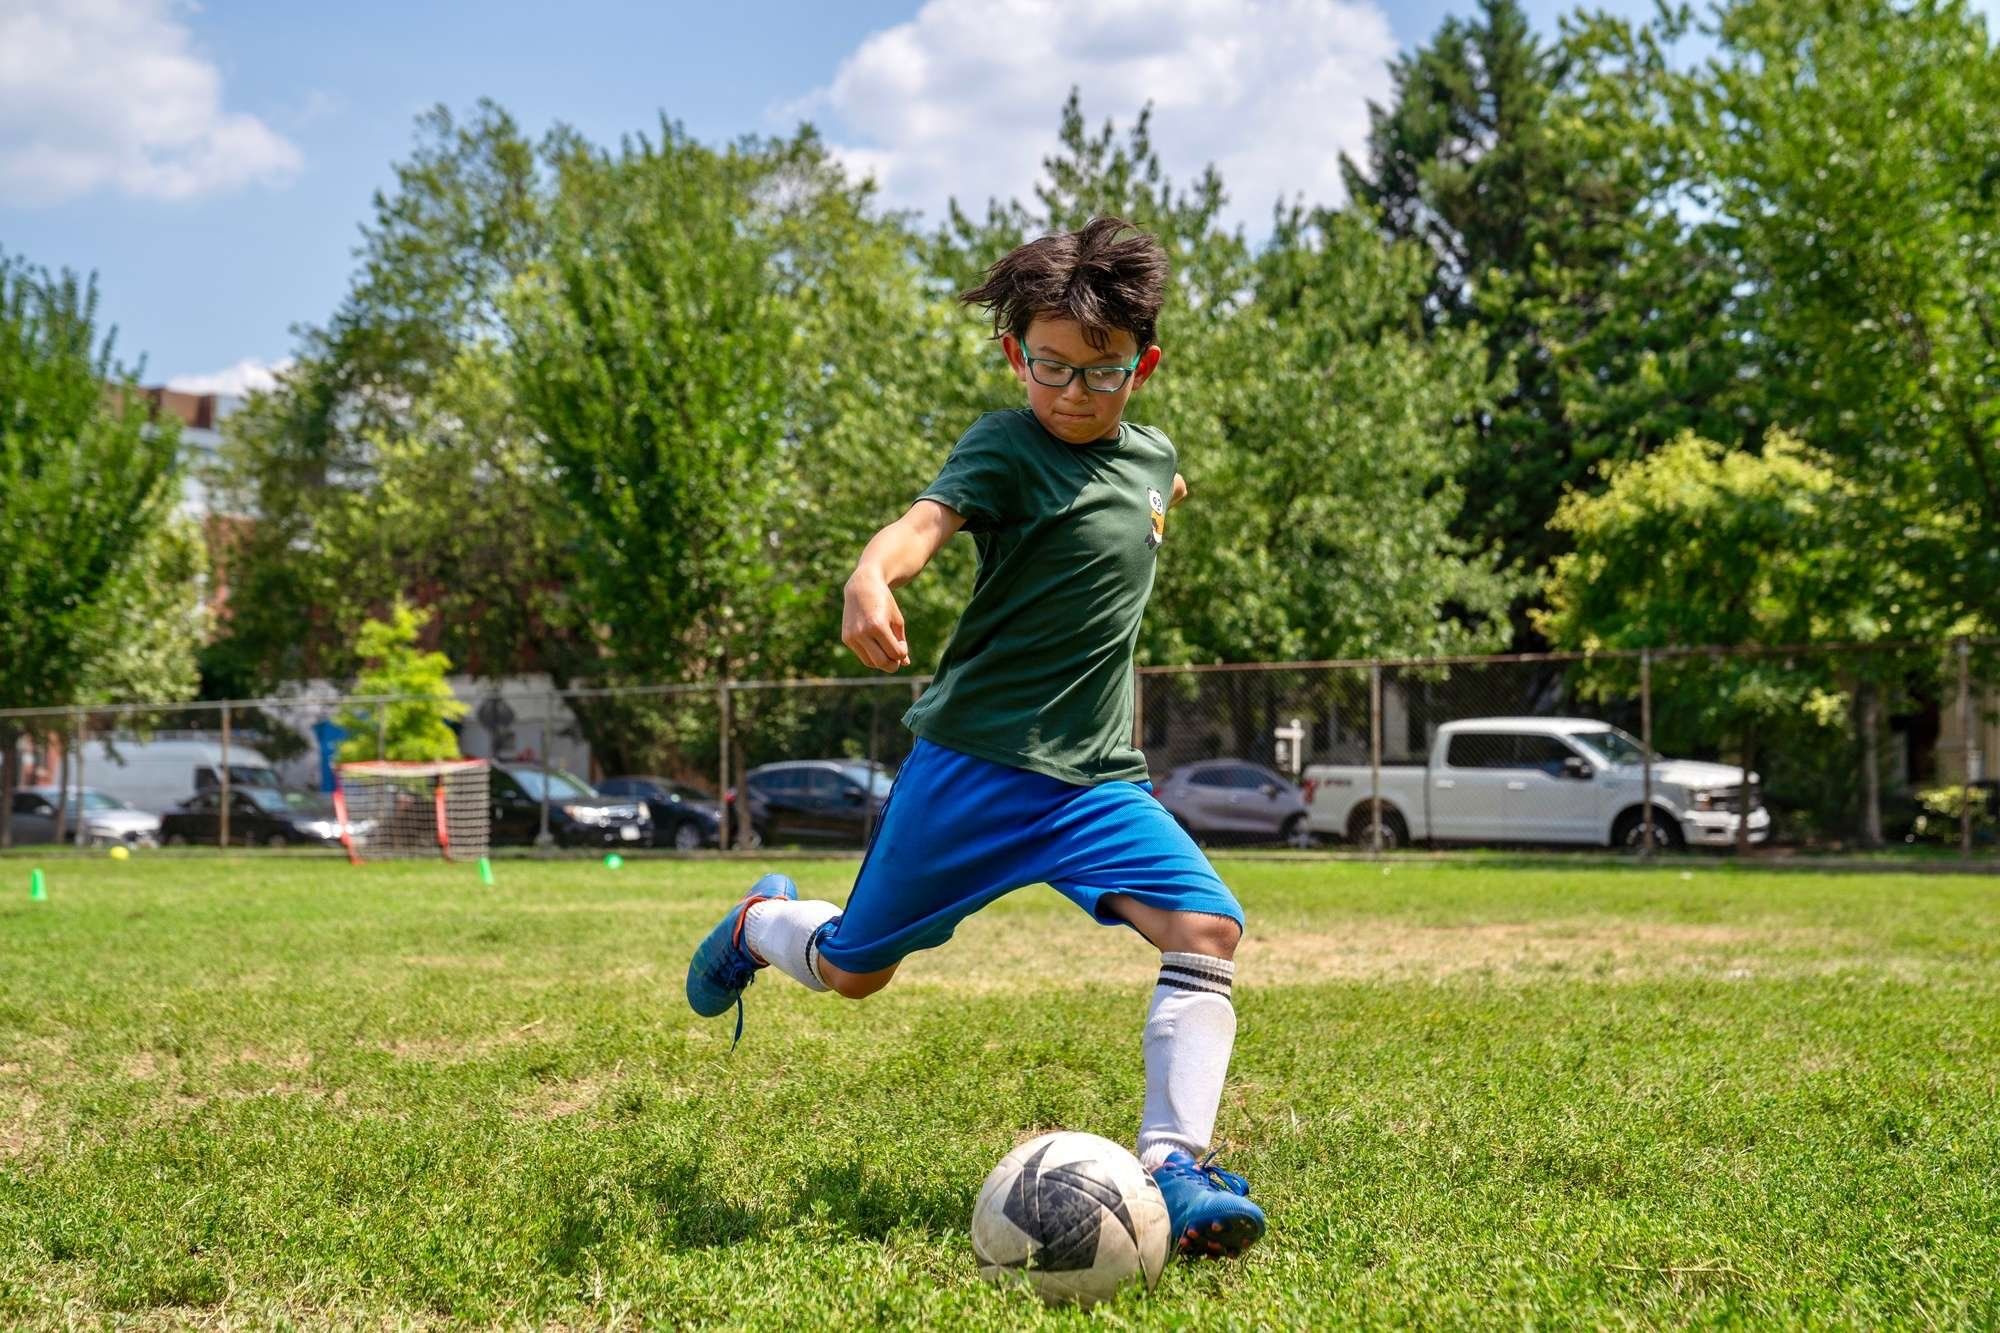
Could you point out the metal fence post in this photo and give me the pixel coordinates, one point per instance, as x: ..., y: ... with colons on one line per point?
x: 1375, y: 758
x: 725, y: 838
x: 222, y: 829
x: 1138, y: 711
x: 82, y: 824
x: 542, y: 838
x: 1646, y: 743
x: 382, y: 731
x: 1968, y: 750
x: 874, y: 742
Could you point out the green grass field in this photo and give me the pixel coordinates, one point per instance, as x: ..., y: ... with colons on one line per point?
x: 255, y: 1091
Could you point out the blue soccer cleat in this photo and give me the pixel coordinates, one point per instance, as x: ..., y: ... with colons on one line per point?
x: 1208, y: 1208
x: 722, y: 965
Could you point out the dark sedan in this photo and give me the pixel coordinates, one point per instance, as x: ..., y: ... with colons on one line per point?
x: 818, y: 800
x: 684, y: 816
x: 258, y: 817
x: 578, y: 815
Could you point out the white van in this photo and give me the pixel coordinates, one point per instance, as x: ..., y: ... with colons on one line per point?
x: 158, y: 774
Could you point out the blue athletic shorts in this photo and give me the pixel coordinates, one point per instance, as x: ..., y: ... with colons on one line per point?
x: 958, y: 832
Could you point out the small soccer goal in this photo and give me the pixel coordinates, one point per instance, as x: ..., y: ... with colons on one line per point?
x: 391, y: 810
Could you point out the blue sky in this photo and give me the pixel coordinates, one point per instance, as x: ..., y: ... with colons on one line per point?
x: 212, y: 163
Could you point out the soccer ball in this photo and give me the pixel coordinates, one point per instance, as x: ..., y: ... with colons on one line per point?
x: 1073, y: 1216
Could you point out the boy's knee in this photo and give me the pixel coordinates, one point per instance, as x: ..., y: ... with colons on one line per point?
x: 1203, y: 933
x: 855, y: 985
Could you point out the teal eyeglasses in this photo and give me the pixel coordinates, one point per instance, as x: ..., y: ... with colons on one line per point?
x: 1053, y: 374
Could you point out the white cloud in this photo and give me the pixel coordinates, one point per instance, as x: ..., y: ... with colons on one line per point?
x: 246, y: 376
x: 961, y: 101
x: 112, y: 94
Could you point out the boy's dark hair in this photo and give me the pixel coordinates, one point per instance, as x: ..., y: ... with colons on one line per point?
x: 1108, y: 276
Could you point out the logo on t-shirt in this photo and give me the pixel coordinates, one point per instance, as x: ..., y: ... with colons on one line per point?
x: 1159, y: 532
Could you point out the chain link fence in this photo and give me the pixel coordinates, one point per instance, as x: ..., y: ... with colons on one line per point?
x: 1877, y: 749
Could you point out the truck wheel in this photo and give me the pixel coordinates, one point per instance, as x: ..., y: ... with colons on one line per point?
x: 1360, y: 828
x: 1630, y: 833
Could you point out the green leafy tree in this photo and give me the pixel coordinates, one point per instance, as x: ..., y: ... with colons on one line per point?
x: 1514, y: 164
x: 1697, y: 544
x: 390, y: 461
x: 1318, y: 426
x: 414, y: 727
x: 86, y: 483
x: 653, y: 357
x: 151, y: 652
x: 1832, y: 165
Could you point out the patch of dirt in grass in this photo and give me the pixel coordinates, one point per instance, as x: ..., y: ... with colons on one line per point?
x: 295, y: 1060
x: 1536, y: 950
x: 1000, y: 955
x: 457, y: 1050
x: 142, y: 1066
x: 17, y: 1124
x: 552, y: 1101
x: 478, y: 962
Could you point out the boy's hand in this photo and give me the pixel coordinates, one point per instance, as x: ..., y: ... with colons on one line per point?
x: 1180, y: 490
x: 872, y: 623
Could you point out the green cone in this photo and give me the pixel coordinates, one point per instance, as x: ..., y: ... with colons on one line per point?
x: 485, y: 871
x: 613, y: 860
x: 38, y: 889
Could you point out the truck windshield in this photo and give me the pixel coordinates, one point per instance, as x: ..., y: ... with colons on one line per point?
x: 1612, y: 745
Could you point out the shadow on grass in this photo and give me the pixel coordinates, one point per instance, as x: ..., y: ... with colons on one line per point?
x: 670, y: 1198
x: 869, y: 1206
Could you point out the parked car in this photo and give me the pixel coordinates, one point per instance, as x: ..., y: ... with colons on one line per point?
x: 155, y: 775
x: 816, y: 800
x: 579, y: 816
x: 684, y: 816
x: 106, y: 819
x: 258, y: 817
x: 1538, y: 779
x: 1235, y: 799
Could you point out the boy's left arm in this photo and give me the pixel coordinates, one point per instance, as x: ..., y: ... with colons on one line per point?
x: 1180, y: 490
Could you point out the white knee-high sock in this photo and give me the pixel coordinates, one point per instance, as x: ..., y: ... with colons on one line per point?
x: 1190, y: 1031
x: 780, y: 932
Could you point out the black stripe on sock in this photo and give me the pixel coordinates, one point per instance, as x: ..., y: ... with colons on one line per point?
x: 1197, y: 974
x: 1178, y: 984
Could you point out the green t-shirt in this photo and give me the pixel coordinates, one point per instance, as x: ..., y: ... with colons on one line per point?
x: 1038, y: 673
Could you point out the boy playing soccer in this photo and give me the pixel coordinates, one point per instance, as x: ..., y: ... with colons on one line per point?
x: 1024, y: 770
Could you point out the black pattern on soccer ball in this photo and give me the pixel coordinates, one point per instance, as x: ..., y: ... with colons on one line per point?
x: 1060, y: 1210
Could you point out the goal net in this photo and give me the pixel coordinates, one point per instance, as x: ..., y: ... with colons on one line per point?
x: 389, y: 809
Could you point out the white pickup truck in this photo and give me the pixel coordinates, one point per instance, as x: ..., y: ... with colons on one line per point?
x: 1536, y: 779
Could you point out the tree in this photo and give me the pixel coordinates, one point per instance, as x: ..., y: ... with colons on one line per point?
x: 1514, y: 165
x: 1838, y: 156
x: 1318, y: 427
x: 151, y: 652
x: 654, y: 356
x: 391, y: 461
x: 413, y: 728
x: 86, y: 483
x: 1697, y: 544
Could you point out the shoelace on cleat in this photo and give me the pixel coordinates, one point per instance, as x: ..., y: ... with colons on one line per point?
x: 1222, y: 1180
x: 1210, y: 1175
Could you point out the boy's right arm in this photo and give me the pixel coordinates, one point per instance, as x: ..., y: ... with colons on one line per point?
x: 871, y: 623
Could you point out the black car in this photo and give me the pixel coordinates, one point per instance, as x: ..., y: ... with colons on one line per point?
x: 818, y: 800
x: 578, y: 815
x: 258, y: 817
x: 684, y: 816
